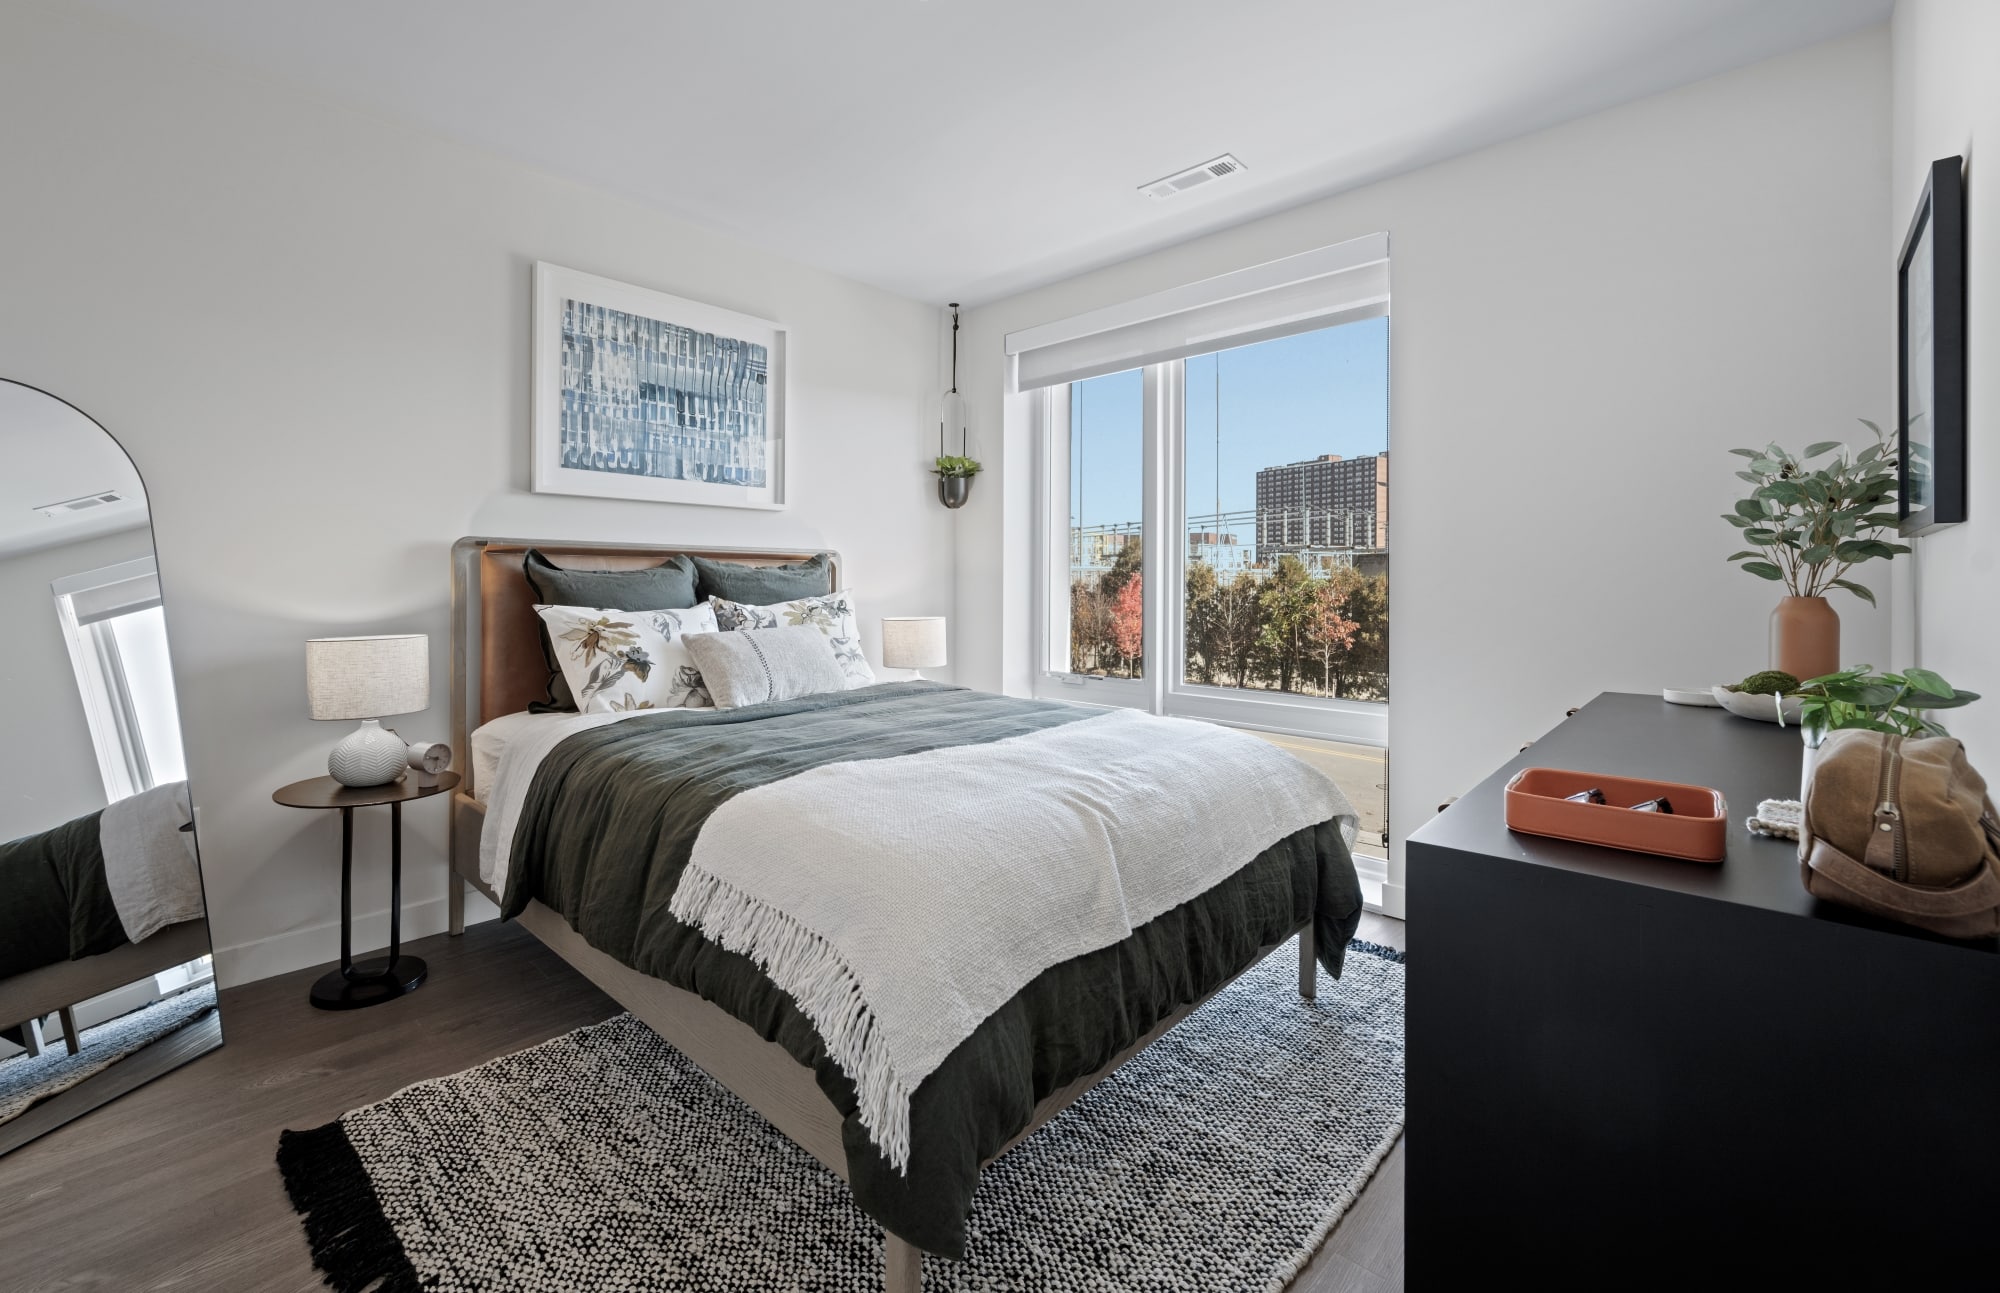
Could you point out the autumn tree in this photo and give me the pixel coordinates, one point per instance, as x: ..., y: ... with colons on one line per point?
x: 1094, y: 614
x: 1128, y: 622
x: 1361, y: 671
x: 1332, y: 633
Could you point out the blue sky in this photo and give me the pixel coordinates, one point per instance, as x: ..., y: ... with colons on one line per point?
x: 1281, y: 401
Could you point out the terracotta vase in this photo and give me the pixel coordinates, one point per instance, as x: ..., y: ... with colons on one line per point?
x: 1805, y: 637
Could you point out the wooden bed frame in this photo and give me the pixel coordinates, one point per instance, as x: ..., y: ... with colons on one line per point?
x: 497, y: 668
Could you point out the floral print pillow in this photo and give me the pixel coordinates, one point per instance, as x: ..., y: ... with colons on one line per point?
x: 617, y: 660
x: 832, y: 614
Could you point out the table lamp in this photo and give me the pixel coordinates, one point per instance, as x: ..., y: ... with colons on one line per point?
x: 914, y: 642
x: 368, y: 678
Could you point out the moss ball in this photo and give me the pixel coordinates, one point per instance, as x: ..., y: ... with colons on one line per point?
x: 1771, y: 682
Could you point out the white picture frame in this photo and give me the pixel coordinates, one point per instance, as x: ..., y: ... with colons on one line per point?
x: 629, y: 384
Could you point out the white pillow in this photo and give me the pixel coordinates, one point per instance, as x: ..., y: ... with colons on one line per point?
x: 832, y: 614
x: 771, y: 664
x: 616, y: 660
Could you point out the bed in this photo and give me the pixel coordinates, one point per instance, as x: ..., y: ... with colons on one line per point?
x: 1066, y: 1030
x: 94, y: 904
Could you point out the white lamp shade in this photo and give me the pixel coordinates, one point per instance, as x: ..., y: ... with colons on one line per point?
x: 368, y: 677
x: 913, y: 642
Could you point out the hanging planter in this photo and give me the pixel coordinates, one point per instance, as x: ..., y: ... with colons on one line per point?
x: 954, y: 471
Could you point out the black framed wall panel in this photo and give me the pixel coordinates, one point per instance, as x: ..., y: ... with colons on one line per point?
x: 1931, y: 405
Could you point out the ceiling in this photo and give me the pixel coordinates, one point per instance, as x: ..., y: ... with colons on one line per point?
x: 967, y: 149
x: 54, y: 453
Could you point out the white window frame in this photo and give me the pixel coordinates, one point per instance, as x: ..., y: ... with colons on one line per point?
x: 1164, y: 516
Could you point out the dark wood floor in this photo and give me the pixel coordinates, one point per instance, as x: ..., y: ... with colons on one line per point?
x: 174, y: 1186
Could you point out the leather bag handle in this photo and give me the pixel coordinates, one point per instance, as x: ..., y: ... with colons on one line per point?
x: 1981, y: 893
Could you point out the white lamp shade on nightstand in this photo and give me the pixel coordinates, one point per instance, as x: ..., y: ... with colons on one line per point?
x: 913, y: 642
x: 367, y: 678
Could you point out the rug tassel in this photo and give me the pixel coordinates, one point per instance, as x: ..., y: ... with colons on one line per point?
x: 352, y: 1242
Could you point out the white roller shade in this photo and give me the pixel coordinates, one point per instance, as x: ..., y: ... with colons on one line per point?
x: 115, y: 590
x: 1314, y: 289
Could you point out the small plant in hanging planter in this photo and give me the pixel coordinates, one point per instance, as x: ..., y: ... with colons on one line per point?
x: 955, y: 479
x: 954, y: 471
x: 1809, y: 527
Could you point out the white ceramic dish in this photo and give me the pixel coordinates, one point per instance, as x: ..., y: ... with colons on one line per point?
x: 1690, y: 696
x: 1762, y: 708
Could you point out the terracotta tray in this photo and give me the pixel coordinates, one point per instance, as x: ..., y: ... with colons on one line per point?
x: 1696, y: 831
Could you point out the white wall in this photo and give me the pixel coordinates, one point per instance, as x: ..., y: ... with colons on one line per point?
x: 48, y: 767
x: 1586, y: 320
x: 1947, y: 101
x: 310, y: 328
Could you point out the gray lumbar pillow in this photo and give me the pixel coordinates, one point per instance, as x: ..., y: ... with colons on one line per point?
x: 761, y: 585
x: 765, y: 664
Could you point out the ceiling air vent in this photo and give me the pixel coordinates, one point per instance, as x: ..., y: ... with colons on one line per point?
x: 1181, y: 181
x: 83, y: 504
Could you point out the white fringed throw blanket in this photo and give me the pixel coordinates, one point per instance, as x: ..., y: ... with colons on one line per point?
x: 901, y: 901
x: 149, y: 861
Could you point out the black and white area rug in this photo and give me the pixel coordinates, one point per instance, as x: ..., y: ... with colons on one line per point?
x: 1217, y: 1159
x: 26, y: 1081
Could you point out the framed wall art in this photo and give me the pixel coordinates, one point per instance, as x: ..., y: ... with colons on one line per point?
x: 1930, y: 356
x: 642, y: 395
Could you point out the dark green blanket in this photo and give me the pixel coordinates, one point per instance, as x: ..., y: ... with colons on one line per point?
x: 611, y: 818
x: 54, y: 902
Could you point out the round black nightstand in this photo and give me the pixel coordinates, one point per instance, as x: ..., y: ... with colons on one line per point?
x: 383, y: 978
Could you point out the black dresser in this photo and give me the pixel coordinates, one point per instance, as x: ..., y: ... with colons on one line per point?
x: 1628, y: 1071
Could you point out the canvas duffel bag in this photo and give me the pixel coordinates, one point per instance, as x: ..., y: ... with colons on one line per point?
x: 1902, y: 827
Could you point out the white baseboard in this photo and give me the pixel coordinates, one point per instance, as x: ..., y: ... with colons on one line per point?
x: 1392, y: 901
x: 298, y: 949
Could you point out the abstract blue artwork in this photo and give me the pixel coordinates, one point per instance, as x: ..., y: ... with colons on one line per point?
x: 643, y: 395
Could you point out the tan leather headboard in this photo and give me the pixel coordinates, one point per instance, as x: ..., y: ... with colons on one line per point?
x: 496, y: 633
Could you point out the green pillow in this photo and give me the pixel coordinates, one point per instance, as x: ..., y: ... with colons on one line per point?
x: 668, y: 586
x: 762, y: 585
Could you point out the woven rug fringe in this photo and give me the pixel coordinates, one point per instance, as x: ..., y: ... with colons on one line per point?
x: 352, y: 1242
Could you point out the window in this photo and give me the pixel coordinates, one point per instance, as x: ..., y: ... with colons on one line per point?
x: 1215, y: 518
x: 1106, y: 585
x: 1286, y: 499
x: 117, y: 637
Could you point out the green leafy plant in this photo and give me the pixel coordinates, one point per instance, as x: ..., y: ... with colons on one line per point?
x: 1810, y: 525
x: 947, y: 465
x: 1898, y: 703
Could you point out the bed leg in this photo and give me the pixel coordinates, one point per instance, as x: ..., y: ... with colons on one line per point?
x: 1308, y: 965
x: 454, y: 900
x: 70, y: 1040
x: 902, y: 1266
x: 31, y: 1037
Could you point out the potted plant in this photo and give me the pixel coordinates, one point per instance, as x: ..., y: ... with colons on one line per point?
x: 1807, y: 527
x: 1899, y: 703
x: 955, y: 479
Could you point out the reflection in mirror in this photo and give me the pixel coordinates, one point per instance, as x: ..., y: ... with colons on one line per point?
x: 105, y: 978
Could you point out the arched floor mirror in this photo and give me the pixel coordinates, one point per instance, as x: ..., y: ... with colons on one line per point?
x: 105, y: 974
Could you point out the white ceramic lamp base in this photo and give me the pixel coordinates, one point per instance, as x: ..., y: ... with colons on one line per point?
x: 371, y: 755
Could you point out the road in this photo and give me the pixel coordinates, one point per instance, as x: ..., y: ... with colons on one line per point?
x: 1361, y: 772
